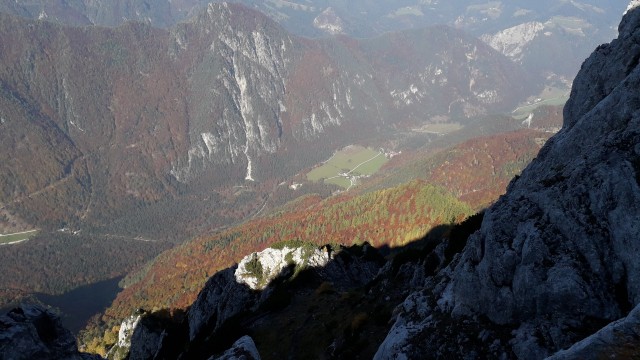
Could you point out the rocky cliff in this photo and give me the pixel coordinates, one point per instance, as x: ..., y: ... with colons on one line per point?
x: 246, y: 298
x: 33, y: 332
x: 555, y: 258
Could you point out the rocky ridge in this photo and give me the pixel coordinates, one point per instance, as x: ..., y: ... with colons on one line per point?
x: 555, y: 258
x: 234, y: 295
x: 244, y: 349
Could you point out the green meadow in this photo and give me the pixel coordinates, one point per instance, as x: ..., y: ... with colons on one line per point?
x: 354, y: 160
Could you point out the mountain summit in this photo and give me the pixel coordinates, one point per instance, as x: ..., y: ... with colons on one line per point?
x: 556, y: 257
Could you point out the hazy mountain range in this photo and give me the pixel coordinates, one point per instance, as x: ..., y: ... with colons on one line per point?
x: 551, y: 37
x: 114, y: 119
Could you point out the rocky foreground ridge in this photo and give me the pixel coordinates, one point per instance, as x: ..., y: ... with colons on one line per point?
x: 555, y: 258
x: 552, y: 269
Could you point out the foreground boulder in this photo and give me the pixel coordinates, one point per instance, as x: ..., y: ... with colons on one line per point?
x: 33, y: 332
x: 243, y: 349
x: 618, y: 340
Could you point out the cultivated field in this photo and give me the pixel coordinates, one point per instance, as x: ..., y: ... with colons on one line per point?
x: 439, y: 129
x: 549, y: 96
x: 17, y: 237
x: 348, y: 163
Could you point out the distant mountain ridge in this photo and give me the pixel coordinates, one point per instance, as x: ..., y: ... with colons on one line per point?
x: 122, y: 118
x: 569, y: 28
x: 363, y: 19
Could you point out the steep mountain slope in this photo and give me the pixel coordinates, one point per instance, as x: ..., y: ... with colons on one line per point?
x: 549, y: 37
x: 344, y: 219
x: 394, y: 216
x: 555, y: 258
x: 92, y: 12
x: 126, y: 123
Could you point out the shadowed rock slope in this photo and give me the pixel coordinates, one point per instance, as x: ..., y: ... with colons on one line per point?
x: 33, y: 332
x: 555, y: 258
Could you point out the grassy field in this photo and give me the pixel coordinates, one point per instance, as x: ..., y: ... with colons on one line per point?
x: 443, y: 128
x: 549, y: 96
x: 9, y: 238
x: 355, y: 160
x: 340, y: 181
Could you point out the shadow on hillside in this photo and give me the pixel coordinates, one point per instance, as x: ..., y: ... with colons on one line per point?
x: 341, y: 310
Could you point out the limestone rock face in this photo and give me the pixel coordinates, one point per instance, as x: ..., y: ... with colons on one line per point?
x: 246, y: 286
x: 33, y: 332
x: 121, y: 348
x: 243, y: 349
x: 259, y: 269
x: 221, y: 298
x: 147, y: 337
x: 555, y: 258
x: 139, y: 337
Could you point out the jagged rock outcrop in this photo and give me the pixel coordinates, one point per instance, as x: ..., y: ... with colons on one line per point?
x: 220, y: 299
x: 242, y: 299
x: 243, y: 349
x: 249, y: 284
x: 120, y: 350
x: 33, y: 332
x: 512, y: 41
x: 233, y: 301
x: 555, y: 258
x: 259, y: 269
x: 143, y: 330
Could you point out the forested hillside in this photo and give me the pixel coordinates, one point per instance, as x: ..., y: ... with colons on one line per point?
x: 387, y: 217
